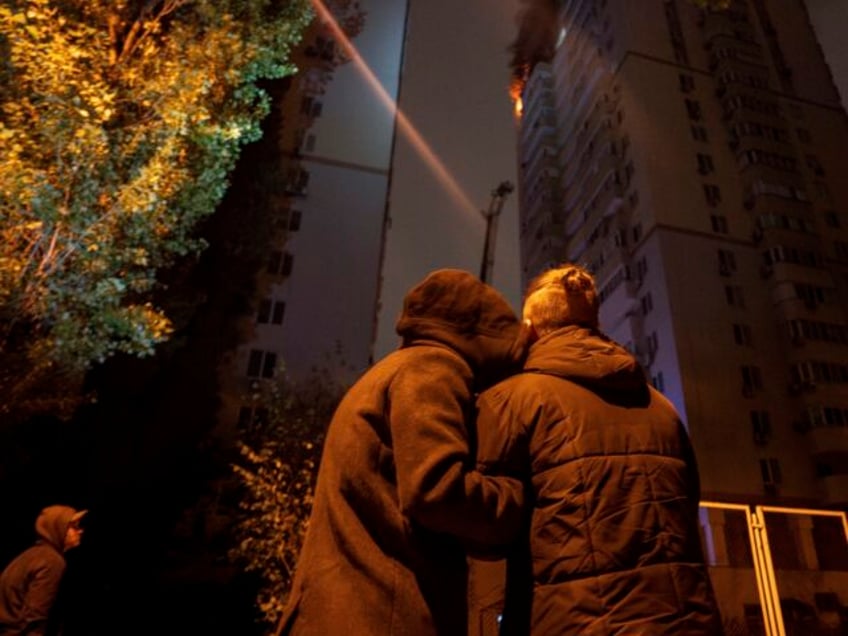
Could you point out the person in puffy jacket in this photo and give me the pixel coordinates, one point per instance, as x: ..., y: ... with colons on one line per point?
x: 397, y: 501
x: 30, y: 583
x: 612, y: 545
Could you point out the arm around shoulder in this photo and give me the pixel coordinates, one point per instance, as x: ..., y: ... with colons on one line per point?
x: 431, y: 401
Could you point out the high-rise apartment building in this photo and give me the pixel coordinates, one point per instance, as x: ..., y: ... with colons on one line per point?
x: 695, y: 161
x: 334, y: 127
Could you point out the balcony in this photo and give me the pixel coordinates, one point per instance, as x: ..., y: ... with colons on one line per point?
x: 829, y: 439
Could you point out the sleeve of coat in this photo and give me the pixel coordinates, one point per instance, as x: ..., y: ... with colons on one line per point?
x: 437, y: 486
x: 502, y: 445
x: 40, y: 596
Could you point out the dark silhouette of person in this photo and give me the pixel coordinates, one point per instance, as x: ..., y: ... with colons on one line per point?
x: 30, y: 583
x: 397, y: 501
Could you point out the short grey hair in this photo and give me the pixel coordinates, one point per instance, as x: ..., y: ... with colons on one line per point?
x: 562, y: 296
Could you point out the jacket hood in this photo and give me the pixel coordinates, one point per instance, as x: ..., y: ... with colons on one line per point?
x: 52, y: 524
x: 455, y: 308
x: 587, y: 357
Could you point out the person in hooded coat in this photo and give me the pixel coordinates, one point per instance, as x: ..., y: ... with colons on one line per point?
x: 613, y: 544
x: 397, y: 501
x: 29, y: 584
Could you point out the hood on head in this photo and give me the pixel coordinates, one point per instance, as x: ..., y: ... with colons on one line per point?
x: 457, y: 309
x: 52, y: 524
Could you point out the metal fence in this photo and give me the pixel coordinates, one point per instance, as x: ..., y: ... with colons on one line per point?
x: 778, y: 571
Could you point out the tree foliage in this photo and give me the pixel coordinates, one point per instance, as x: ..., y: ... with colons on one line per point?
x: 120, y: 122
x: 279, y: 461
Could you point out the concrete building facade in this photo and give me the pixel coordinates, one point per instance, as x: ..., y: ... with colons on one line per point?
x: 315, y: 316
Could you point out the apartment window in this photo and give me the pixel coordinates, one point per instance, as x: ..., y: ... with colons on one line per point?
x: 279, y: 313
x: 712, y: 193
x: 752, y: 379
x: 637, y: 232
x: 742, y: 335
x: 295, y: 217
x: 726, y: 262
x: 770, y: 470
x: 275, y: 262
x: 261, y: 363
x: 760, y: 426
x: 271, y: 311
x: 719, y: 223
x: 834, y: 416
x: 310, y: 143
x: 693, y: 108
x: 770, y: 159
x: 806, y: 374
x: 733, y: 293
x: 705, y: 163
x: 311, y: 107
x: 831, y: 218
x: 789, y: 254
x: 699, y: 133
x: 687, y: 83
x: 658, y: 381
x: 647, y: 303
x: 821, y: 416
x: 633, y: 199
x: 641, y: 268
x: 811, y: 295
x: 675, y: 32
x: 653, y: 342
x: 799, y: 330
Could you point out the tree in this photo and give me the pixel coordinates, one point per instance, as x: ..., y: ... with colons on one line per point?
x: 279, y: 461
x: 120, y: 122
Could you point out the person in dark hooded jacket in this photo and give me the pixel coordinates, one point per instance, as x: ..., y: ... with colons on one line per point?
x: 397, y: 501
x: 29, y: 584
x: 613, y: 544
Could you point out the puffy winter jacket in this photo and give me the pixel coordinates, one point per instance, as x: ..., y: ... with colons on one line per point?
x: 613, y: 544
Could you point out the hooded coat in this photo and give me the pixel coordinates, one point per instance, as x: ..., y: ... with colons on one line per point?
x: 29, y: 584
x: 613, y: 545
x: 396, y: 496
